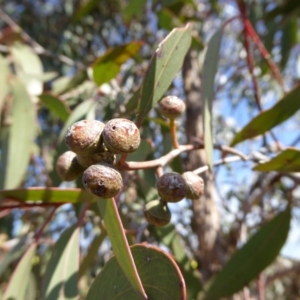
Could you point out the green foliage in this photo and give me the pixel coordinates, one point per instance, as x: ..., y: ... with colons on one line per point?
x: 159, y: 273
x: 286, y: 161
x: 53, y: 74
x: 61, y: 274
x: 270, y: 118
x: 17, y: 132
x: 18, y: 284
x: 162, y: 70
x: 259, y: 252
x: 210, y: 68
x: 108, y: 65
x: 113, y: 223
x: 48, y: 195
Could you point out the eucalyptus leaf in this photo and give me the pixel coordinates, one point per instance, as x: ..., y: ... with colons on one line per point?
x: 247, y: 262
x: 164, y: 66
x: 159, y: 273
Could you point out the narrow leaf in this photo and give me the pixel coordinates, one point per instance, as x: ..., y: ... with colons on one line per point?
x: 164, y: 66
x: 113, y: 223
x: 29, y: 67
x: 210, y: 68
x: 169, y: 237
x: 55, y: 105
x: 270, y: 118
x: 61, y: 274
x: 159, y: 274
x: 246, y: 264
x: 91, y: 253
x: 47, y: 195
x: 17, y: 285
x: 287, y: 161
x: 13, y: 254
x: 19, y: 134
x: 107, y: 66
x: 4, y: 88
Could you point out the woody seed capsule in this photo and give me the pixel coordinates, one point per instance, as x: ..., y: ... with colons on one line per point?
x: 171, y: 107
x: 171, y: 187
x: 68, y: 167
x: 84, y: 136
x: 103, y: 180
x: 195, y: 185
x: 121, y: 136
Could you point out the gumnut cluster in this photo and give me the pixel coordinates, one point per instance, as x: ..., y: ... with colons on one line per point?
x: 92, y: 149
x: 172, y: 187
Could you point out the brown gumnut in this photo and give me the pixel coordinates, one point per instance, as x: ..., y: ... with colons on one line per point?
x: 103, y: 180
x: 85, y: 136
x: 87, y: 160
x: 67, y: 166
x: 157, y: 213
x: 121, y: 136
x: 195, y: 185
x: 171, y: 107
x: 171, y: 187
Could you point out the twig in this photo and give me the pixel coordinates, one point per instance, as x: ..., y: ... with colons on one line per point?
x: 287, y: 272
x: 261, y: 286
x: 174, y: 133
x: 162, y: 161
x: 265, y: 54
x: 82, y: 214
x: 41, y: 230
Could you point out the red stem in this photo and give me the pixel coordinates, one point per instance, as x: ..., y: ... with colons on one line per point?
x: 41, y: 230
x: 81, y: 216
x: 264, y: 52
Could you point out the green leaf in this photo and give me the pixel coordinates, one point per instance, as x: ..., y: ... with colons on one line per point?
x: 48, y: 195
x: 247, y: 262
x: 91, y: 253
x: 169, y: 237
x: 17, y: 135
x: 115, y: 231
x: 65, y: 84
x: 79, y: 112
x: 28, y: 67
x: 4, y: 87
x: 133, y: 10
x: 61, y: 275
x: 159, y: 274
x: 287, y: 161
x: 29, y: 61
x: 270, y: 118
x: 164, y: 66
x: 288, y: 40
x: 17, y: 285
x: 107, y: 66
x: 210, y: 68
x: 55, y: 105
x: 13, y: 254
x: 166, y: 18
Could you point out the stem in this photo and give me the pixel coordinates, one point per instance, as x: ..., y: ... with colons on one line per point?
x: 81, y: 216
x: 110, y: 214
x: 41, y: 230
x: 174, y: 133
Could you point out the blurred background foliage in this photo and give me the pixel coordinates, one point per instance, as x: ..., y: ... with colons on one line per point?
x: 62, y: 61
